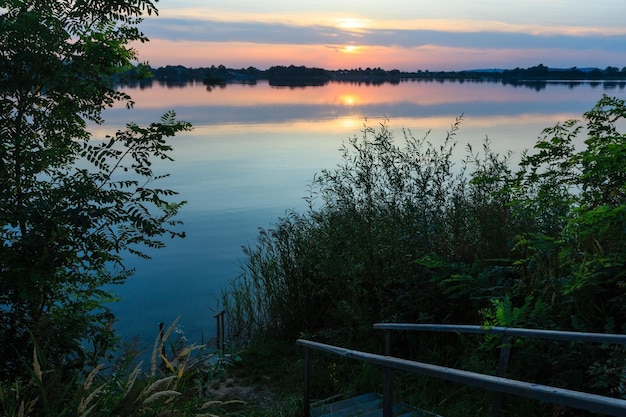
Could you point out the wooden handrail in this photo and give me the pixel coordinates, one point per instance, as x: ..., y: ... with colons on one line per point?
x: 576, y: 399
x: 608, y: 338
x: 507, y: 333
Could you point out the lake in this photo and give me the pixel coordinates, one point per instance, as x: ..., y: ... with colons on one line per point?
x: 255, y: 148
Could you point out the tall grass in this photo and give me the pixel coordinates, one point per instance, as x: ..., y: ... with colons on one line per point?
x: 407, y: 230
x: 373, y: 225
x: 174, y: 384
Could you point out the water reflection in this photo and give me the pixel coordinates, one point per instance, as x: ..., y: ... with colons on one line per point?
x: 373, y: 81
x: 254, y: 149
x: 260, y: 104
x: 334, y: 93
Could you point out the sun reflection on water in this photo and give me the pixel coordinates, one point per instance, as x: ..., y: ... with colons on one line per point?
x: 348, y: 100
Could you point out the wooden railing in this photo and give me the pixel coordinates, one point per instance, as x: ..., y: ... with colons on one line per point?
x: 220, y: 341
x: 499, y: 384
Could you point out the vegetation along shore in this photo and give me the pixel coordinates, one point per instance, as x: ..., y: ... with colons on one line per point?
x: 299, y: 76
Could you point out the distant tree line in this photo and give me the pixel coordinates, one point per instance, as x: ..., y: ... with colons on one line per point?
x: 301, y: 76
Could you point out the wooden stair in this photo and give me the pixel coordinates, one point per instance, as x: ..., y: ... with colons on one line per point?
x: 365, y: 405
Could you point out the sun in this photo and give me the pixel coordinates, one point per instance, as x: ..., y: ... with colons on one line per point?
x: 350, y: 49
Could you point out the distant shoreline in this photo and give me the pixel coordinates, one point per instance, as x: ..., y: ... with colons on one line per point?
x: 292, y: 76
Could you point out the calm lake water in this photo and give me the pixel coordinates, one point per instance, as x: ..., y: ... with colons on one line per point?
x: 255, y: 148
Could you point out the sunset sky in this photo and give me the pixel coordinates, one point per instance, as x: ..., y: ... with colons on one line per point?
x: 392, y: 34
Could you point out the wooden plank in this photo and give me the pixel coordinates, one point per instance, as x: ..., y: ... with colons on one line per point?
x: 356, y: 410
x: 348, y: 402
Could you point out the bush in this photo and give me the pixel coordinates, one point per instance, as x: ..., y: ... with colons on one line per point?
x: 402, y: 233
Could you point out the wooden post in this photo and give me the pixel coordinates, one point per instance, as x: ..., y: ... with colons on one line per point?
x: 223, y: 332
x: 307, y: 375
x: 503, y: 365
x: 388, y: 380
x: 387, y: 334
x: 219, y: 332
x: 220, y: 342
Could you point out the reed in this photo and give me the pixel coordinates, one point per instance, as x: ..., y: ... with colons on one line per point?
x: 177, y: 387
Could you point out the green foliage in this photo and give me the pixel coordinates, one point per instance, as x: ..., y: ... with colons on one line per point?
x: 503, y: 313
x: 351, y: 259
x: 71, y: 207
x: 414, y: 233
x: 574, y: 254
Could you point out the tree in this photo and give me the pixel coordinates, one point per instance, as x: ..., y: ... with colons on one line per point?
x: 70, y: 208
